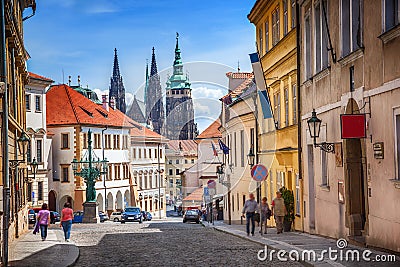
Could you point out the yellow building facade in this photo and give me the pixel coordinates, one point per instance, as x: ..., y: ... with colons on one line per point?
x: 275, y: 23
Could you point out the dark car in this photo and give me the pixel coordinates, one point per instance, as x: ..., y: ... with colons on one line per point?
x: 191, y: 216
x: 31, y: 216
x: 54, y: 217
x: 148, y: 216
x: 132, y: 214
x: 103, y: 216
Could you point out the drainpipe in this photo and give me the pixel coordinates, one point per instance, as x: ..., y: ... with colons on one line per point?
x: 299, y: 147
x: 4, y: 133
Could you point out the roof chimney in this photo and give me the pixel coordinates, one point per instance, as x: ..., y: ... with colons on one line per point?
x: 105, y: 104
x: 79, y: 80
x: 112, y: 102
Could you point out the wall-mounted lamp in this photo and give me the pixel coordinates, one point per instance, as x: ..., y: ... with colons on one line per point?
x: 314, y: 126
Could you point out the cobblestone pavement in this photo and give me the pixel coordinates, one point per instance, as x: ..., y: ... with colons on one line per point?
x: 163, y: 243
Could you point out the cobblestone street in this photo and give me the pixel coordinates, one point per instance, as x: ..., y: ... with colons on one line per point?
x: 164, y: 243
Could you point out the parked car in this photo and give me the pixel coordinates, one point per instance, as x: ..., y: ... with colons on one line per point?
x: 148, y: 216
x: 54, y: 217
x: 78, y: 217
x: 103, y: 216
x: 116, y: 216
x: 31, y: 216
x: 132, y: 214
x: 191, y: 216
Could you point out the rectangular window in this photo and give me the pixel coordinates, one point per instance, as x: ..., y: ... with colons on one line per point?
x: 285, y: 17
x: 155, y: 153
x: 267, y: 35
x: 65, y: 174
x: 177, y: 161
x: 28, y: 102
x: 64, y: 141
x: 160, y: 153
x: 177, y: 171
x: 351, y: 26
x: 277, y: 104
x: 235, y: 147
x: 321, y: 37
x: 144, y: 153
x: 391, y: 14
x: 171, y: 182
x: 170, y: 161
x: 324, y: 169
x: 297, y: 194
x: 242, y: 157
x: 134, y: 153
x: 29, y: 152
x: 38, y: 103
x: 170, y: 172
x: 308, y: 44
x: 275, y: 26
x: 140, y: 153
x: 85, y: 140
x: 186, y: 161
x: 294, y: 94
x: 397, y: 120
x: 286, y: 107
x: 293, y: 15
x: 29, y: 192
x: 39, y: 150
x: 192, y: 160
x: 150, y: 154
x: 351, y: 79
x: 40, y: 191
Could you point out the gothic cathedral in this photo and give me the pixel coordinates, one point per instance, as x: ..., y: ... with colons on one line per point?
x: 179, y: 105
x: 117, y: 89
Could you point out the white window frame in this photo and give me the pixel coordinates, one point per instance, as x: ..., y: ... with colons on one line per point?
x: 308, y: 45
x: 38, y: 97
x: 321, y: 55
x: 352, y: 49
x: 294, y: 108
x: 28, y: 104
x: 266, y: 24
x: 285, y: 9
x: 324, y: 169
x: 298, y: 194
x: 384, y: 29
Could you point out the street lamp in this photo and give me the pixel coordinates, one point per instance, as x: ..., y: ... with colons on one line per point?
x: 34, y: 166
x: 22, y: 142
x: 89, y: 168
x: 251, y: 157
x: 314, y: 126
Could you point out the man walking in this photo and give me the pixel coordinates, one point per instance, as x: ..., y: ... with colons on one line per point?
x: 279, y: 211
x: 249, y: 208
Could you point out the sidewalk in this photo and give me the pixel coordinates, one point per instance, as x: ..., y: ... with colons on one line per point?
x: 30, y: 250
x: 300, y: 242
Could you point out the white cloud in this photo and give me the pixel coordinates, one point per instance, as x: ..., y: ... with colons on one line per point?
x: 206, y: 92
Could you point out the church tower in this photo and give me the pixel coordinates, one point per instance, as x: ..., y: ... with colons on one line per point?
x: 154, y: 99
x: 117, y: 89
x: 179, y: 105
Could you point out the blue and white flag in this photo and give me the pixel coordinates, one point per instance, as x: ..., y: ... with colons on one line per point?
x: 224, y: 148
x: 261, y: 86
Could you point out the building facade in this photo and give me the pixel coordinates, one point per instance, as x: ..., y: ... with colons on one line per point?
x: 179, y: 104
x: 13, y: 78
x: 238, y: 133
x: 359, y: 183
x: 275, y: 25
x: 39, y: 147
x: 148, y: 170
x: 70, y: 116
x: 181, y: 155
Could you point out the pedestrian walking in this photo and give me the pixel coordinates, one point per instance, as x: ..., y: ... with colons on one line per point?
x: 249, y: 209
x: 67, y: 214
x: 43, y: 219
x: 265, y: 214
x: 279, y: 211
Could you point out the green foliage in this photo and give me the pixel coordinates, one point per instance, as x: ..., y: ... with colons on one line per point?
x: 288, y: 198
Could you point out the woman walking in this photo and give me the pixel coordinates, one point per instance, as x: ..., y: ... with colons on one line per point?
x: 67, y: 214
x: 265, y: 215
x: 43, y: 219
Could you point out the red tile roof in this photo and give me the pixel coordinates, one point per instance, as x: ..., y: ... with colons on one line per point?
x: 144, y: 132
x: 211, y: 131
x: 240, y: 88
x: 65, y: 106
x: 187, y: 146
x: 196, y: 195
x: 239, y: 75
x: 36, y: 76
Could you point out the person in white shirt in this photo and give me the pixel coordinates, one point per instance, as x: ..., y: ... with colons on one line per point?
x: 250, y: 207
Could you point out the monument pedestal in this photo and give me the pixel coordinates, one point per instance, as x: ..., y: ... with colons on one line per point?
x: 90, y: 212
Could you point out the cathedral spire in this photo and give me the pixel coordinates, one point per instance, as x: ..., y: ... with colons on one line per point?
x: 117, y: 89
x: 178, y: 59
x: 116, y: 72
x: 153, y: 70
x: 146, y: 85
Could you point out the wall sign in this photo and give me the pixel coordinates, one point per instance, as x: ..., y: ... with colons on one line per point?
x: 338, y: 155
x: 378, y: 150
x: 353, y: 126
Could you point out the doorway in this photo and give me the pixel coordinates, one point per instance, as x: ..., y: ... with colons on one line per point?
x: 52, y: 201
x: 355, y: 181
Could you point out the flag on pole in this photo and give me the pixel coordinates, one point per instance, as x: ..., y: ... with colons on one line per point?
x: 214, y: 149
x: 261, y: 86
x: 224, y: 148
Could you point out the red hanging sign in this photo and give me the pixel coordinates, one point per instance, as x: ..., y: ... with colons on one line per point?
x: 353, y: 126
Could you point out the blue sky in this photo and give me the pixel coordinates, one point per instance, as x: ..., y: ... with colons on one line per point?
x: 78, y: 37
